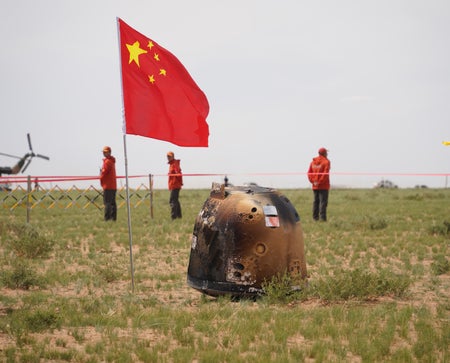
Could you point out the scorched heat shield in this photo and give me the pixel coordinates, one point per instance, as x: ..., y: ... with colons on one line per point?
x: 242, y: 237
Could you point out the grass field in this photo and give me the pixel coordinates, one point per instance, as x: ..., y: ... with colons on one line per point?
x: 379, y: 283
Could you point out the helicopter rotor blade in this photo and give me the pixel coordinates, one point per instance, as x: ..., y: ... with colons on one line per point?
x: 11, y: 156
x: 29, y: 143
x: 42, y: 156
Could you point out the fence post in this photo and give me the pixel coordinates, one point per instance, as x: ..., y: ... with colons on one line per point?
x: 150, y: 180
x: 28, y: 198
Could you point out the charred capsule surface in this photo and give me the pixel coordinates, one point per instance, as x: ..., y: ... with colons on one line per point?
x: 242, y: 237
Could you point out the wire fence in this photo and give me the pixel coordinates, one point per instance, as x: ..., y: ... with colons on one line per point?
x: 28, y: 192
x: 72, y: 197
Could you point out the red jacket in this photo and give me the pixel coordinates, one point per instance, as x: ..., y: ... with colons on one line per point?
x: 108, y: 173
x: 318, y: 173
x: 175, y: 181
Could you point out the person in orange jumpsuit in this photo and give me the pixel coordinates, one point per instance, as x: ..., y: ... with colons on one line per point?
x: 175, y: 183
x: 109, y: 184
x: 319, y: 177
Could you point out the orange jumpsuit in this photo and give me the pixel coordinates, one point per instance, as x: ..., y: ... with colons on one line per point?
x: 175, y: 183
x: 318, y: 175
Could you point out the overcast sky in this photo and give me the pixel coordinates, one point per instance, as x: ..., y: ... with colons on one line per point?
x: 369, y: 80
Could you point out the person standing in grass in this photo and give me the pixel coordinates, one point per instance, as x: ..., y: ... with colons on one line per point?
x: 319, y: 177
x: 175, y: 183
x: 109, y: 184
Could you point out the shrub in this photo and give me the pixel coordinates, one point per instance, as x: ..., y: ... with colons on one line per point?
x: 440, y: 265
x: 22, y: 322
x: 42, y: 320
x: 359, y: 284
x: 443, y: 230
x: 26, y: 241
x: 22, y: 276
x: 280, y: 288
x: 377, y: 223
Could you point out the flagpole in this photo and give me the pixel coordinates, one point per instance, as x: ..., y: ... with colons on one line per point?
x: 130, y: 234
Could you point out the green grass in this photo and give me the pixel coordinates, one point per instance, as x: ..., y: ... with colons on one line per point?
x: 378, y: 287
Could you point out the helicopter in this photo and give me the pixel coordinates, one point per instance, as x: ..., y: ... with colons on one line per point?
x: 23, y: 162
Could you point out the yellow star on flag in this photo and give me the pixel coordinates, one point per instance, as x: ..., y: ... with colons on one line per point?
x: 135, y: 51
x: 151, y: 79
x: 162, y: 72
x: 150, y: 44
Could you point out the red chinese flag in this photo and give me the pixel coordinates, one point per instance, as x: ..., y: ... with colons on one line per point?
x: 160, y: 98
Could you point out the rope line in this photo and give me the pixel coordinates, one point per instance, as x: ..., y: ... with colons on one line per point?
x: 46, y: 178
